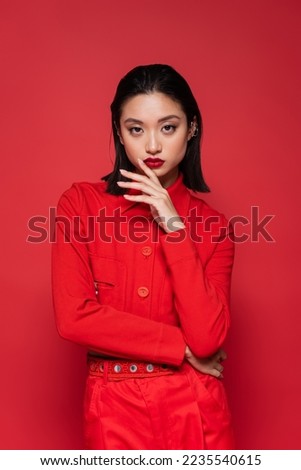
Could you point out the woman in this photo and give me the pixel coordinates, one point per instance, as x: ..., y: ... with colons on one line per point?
x: 141, y: 277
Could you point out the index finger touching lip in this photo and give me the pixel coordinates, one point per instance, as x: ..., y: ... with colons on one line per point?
x: 148, y: 171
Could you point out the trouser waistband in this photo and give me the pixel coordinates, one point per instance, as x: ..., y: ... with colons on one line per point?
x: 120, y: 369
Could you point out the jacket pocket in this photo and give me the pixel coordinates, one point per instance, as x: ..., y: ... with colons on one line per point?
x: 109, y: 277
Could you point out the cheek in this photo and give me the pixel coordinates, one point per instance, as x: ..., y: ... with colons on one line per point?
x: 130, y: 148
x: 179, y: 147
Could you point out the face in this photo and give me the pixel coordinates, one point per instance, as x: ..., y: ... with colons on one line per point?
x: 154, y: 128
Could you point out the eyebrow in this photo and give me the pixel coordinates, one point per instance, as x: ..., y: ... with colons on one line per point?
x: 165, y: 118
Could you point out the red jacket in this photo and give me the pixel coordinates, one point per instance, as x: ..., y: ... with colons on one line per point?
x: 125, y: 288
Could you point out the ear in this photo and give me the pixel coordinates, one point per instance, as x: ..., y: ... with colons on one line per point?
x: 193, y: 129
x: 120, y: 138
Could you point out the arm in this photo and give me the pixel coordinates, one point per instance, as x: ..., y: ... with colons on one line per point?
x: 80, y: 317
x: 201, y: 288
x: 201, y: 292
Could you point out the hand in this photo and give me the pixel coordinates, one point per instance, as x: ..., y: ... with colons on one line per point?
x: 208, y: 365
x: 153, y: 193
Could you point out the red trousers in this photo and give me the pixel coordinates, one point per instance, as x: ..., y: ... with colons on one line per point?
x: 186, y: 410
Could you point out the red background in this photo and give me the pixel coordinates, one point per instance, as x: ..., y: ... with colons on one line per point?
x: 61, y: 61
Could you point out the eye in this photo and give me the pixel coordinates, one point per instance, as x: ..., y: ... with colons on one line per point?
x: 135, y: 130
x: 169, y: 129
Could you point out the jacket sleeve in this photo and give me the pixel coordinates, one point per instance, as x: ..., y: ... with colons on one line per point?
x: 82, y: 319
x: 201, y: 288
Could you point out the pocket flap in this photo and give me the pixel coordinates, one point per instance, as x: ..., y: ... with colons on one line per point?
x: 107, y: 270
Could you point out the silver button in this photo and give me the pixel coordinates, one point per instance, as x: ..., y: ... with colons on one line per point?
x: 149, y: 367
x: 117, y: 368
x: 96, y: 287
x: 133, y: 368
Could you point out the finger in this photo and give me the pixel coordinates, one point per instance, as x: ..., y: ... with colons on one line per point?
x: 220, y: 370
x: 145, y: 188
x: 215, y: 373
x: 140, y: 198
x: 140, y: 178
x: 222, y: 355
x: 133, y: 175
x: 148, y: 171
x: 219, y: 367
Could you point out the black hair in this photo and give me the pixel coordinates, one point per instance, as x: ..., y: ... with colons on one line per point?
x: 146, y: 79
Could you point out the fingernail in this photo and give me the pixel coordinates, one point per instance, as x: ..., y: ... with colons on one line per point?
x: 121, y: 170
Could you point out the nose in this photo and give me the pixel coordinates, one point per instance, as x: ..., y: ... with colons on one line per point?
x: 153, y: 144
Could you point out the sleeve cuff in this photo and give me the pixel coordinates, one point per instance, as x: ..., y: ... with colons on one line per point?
x: 171, y: 346
x: 177, y: 246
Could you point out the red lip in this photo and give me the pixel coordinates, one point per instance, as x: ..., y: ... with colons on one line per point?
x: 153, y: 162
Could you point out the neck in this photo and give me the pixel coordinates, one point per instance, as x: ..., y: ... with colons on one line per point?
x: 169, y: 179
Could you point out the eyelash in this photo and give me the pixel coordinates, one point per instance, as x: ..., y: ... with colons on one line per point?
x: 133, y: 130
x: 173, y: 128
